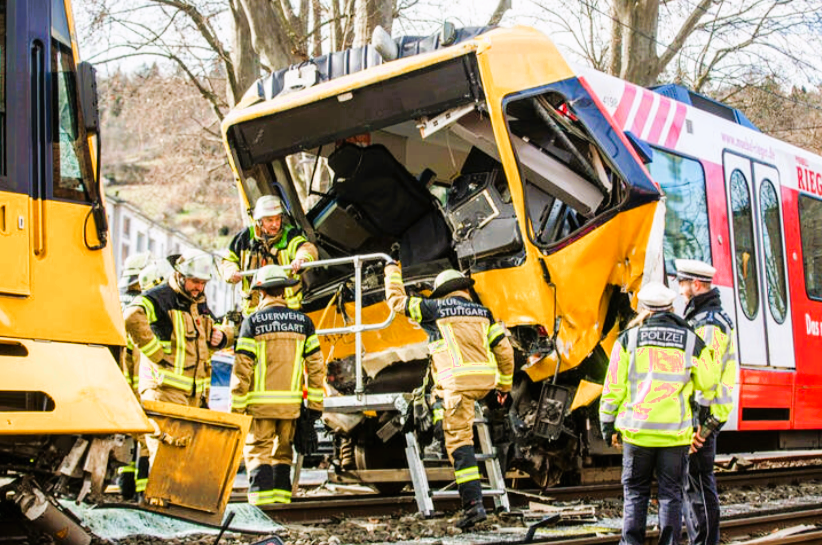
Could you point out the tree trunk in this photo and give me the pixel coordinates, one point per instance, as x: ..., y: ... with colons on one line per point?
x: 367, y: 15
x: 640, y: 61
x: 337, y: 37
x: 246, y: 65
x: 316, y: 31
x: 268, y: 37
x: 502, y: 7
x: 615, y: 48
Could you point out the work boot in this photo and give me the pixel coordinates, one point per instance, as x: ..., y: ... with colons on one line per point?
x: 471, y: 516
x: 126, y: 482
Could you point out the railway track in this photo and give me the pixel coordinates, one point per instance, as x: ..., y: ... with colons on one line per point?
x: 319, y: 509
x: 748, y: 526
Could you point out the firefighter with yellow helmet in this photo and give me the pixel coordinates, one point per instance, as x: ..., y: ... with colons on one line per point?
x: 655, y: 366
x: 471, y: 355
x: 270, y: 240
x: 713, y: 325
x: 176, y: 332
x: 276, y: 350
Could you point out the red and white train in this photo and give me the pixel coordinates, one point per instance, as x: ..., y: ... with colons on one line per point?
x: 752, y: 206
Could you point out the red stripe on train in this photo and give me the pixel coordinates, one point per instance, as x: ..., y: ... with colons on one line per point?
x: 625, y: 103
x: 676, y: 126
x: 659, y: 121
x: 642, y: 114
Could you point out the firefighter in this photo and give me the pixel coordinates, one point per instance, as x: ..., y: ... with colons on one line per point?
x: 471, y: 355
x: 176, y: 332
x: 276, y: 349
x: 713, y: 325
x: 270, y: 240
x: 129, y: 279
x: 129, y: 289
x: 655, y: 366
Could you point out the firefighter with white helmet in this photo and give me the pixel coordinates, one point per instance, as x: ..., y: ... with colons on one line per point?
x: 470, y: 356
x: 270, y: 240
x: 128, y: 479
x: 176, y: 332
x: 129, y: 279
x: 277, y: 353
x: 656, y: 364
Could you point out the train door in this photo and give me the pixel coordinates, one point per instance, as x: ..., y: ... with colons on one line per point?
x: 14, y: 183
x: 760, y: 286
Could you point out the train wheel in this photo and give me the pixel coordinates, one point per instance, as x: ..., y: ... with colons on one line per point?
x: 371, y: 453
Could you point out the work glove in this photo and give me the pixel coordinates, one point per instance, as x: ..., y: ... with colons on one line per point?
x: 306, y: 441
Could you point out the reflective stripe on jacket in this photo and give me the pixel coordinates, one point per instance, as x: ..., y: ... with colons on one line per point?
x: 704, y: 313
x: 248, y: 252
x: 653, y: 371
x: 277, y: 347
x: 173, y: 332
x: 468, y: 349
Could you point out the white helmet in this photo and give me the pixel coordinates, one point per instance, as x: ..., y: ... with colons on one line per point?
x: 194, y: 264
x: 155, y: 274
x: 132, y: 267
x: 267, y: 205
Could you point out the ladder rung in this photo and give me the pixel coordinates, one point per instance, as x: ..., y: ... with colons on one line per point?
x: 481, y: 457
x: 456, y: 493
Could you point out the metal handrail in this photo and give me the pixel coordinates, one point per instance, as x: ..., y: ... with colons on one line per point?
x: 357, y: 328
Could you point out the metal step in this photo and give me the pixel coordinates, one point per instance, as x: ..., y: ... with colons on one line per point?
x: 455, y: 493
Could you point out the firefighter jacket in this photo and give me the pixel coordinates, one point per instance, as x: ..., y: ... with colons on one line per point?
x: 247, y: 252
x: 704, y: 313
x: 173, y: 331
x: 277, y: 347
x: 653, y: 371
x: 469, y: 351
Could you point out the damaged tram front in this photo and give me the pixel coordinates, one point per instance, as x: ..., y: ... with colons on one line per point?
x: 470, y: 154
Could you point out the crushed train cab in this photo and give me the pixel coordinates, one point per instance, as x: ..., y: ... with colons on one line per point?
x: 464, y: 153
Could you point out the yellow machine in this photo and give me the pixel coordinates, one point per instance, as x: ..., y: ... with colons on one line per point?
x: 67, y: 410
x: 475, y: 149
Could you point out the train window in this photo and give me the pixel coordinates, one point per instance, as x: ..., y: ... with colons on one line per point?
x: 72, y: 166
x: 810, y: 231
x: 747, y: 284
x: 687, y: 234
x: 774, y: 256
x: 2, y: 87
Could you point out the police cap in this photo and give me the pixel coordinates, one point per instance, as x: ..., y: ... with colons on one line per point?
x: 655, y: 296
x: 692, y: 269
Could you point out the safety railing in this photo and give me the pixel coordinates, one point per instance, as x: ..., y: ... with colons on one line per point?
x: 357, y: 327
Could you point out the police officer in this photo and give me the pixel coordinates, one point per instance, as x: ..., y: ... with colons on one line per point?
x: 470, y: 355
x: 176, y: 332
x: 704, y: 313
x: 269, y: 241
x: 653, y: 371
x: 277, y: 347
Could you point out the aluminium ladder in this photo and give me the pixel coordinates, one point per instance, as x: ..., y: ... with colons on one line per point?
x: 487, y: 454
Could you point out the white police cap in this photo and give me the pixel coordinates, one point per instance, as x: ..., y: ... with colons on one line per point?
x: 655, y: 296
x: 692, y: 269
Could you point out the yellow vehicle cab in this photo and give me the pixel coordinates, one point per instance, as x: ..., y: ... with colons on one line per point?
x: 477, y: 149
